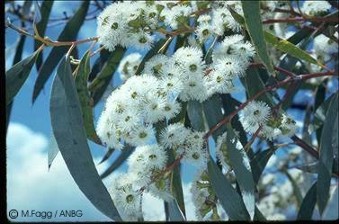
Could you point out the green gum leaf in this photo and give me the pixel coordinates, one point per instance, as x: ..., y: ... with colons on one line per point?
x: 212, y: 109
x: 69, y: 33
x: 242, y: 169
x: 176, y: 183
x: 259, y: 162
x: 255, y: 84
x: 81, y: 78
x: 326, y: 154
x: 104, y: 77
x: 288, y: 47
x: 17, y: 75
x: 174, y: 212
x: 125, y: 153
x: 228, y: 196
x: 308, y: 204
x: 45, y: 11
x: 53, y: 150
x: 70, y: 135
x: 255, y: 29
x: 107, y: 155
x: 195, y: 114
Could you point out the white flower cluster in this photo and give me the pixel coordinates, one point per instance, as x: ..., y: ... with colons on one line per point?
x: 132, y: 109
x: 258, y: 113
x: 135, y: 23
x: 219, y: 20
x: 147, y: 164
x: 204, y: 199
x: 129, y: 117
x: 186, y: 75
x: 127, y: 24
x: 313, y: 8
x: 324, y: 47
x: 129, y: 65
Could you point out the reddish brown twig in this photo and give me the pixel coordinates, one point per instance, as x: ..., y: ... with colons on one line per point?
x: 305, y: 146
x: 300, y: 19
x: 267, y: 89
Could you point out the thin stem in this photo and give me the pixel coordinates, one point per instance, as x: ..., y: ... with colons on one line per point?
x: 284, y: 71
x: 288, y: 93
x: 162, y: 49
x: 250, y: 142
x: 97, y: 51
x: 300, y: 19
x: 70, y: 50
x: 17, y: 29
x: 305, y: 146
x: 49, y: 42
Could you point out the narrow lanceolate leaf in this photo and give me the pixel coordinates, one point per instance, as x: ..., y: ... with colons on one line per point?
x: 289, y: 48
x: 86, y: 107
x: 108, y: 154
x: 229, y: 198
x: 102, y: 80
x: 37, y: 12
x: 212, y: 109
x: 99, y: 63
x: 259, y: 162
x: 332, y: 208
x: 320, y: 113
x: 254, y: 27
x: 326, y: 155
x: 320, y: 116
x: 195, y: 114
x: 125, y: 153
x: 174, y: 212
x: 281, y: 44
x: 308, y: 204
x: 255, y: 84
x: 19, y: 49
x: 69, y: 33
x: 69, y: 132
x: 17, y: 75
x: 53, y: 150
x: 299, y: 35
x: 41, y: 25
x: 242, y: 169
x: 229, y: 105
x: 26, y: 8
x: 258, y: 216
x: 289, y: 62
x: 176, y: 183
x: 17, y: 58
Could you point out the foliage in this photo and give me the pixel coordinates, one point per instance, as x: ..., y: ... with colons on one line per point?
x: 223, y: 73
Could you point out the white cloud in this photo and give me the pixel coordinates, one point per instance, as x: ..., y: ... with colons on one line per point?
x: 31, y: 186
